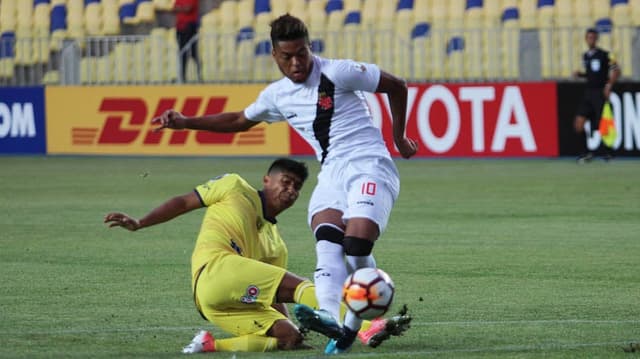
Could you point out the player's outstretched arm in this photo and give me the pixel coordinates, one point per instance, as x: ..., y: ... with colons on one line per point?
x: 168, y: 210
x: 396, y: 90
x: 221, y: 122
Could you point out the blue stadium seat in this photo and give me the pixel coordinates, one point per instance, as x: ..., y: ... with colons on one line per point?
x: 127, y: 11
x: 604, y: 25
x: 354, y: 17
x: 511, y: 13
x: 36, y: 2
x: 544, y: 3
x: 317, y: 46
x: 58, y: 18
x: 619, y: 2
x: 455, y: 44
x: 246, y: 33
x: 471, y: 4
x: 87, y: 2
x: 7, y: 44
x: 262, y: 6
x: 420, y: 30
x: 405, y: 4
x: 263, y: 48
x: 334, y: 5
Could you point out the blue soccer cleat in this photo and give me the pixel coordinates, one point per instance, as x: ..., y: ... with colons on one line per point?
x: 318, y: 320
x: 343, y: 344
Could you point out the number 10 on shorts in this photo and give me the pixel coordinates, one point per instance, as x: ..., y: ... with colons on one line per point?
x: 368, y: 188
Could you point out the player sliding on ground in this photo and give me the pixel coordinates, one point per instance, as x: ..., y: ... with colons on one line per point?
x: 358, y: 184
x: 239, y: 279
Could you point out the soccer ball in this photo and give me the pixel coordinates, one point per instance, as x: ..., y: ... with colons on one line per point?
x: 368, y: 292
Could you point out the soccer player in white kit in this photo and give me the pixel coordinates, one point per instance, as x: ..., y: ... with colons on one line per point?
x: 322, y: 99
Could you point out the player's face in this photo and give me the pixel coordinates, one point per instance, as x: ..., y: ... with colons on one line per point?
x: 281, y: 190
x: 293, y: 59
x: 591, y: 38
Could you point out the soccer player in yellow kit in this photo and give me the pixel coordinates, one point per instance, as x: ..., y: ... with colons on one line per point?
x: 238, y: 264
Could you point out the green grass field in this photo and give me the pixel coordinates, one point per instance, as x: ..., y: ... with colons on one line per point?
x: 495, y: 258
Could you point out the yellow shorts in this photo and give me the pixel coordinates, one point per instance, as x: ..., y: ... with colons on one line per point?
x: 236, y: 293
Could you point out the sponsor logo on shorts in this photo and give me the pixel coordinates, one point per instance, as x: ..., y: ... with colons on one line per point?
x: 251, y: 296
x: 368, y: 203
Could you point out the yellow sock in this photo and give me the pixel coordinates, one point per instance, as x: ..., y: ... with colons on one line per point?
x: 305, y: 293
x: 247, y: 343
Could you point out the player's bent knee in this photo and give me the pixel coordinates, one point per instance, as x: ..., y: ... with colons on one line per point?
x: 354, y: 246
x: 329, y: 232
x: 287, y: 334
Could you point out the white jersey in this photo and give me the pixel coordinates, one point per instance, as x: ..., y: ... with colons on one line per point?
x: 328, y: 110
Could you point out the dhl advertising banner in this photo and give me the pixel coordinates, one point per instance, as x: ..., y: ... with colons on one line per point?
x: 472, y: 120
x: 117, y: 120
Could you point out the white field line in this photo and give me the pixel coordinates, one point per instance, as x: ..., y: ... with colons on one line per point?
x: 99, y: 330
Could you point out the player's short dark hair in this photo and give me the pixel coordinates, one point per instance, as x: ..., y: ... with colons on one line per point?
x: 592, y: 30
x: 288, y: 165
x: 288, y: 28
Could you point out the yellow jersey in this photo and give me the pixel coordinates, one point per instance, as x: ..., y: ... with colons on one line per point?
x: 234, y: 223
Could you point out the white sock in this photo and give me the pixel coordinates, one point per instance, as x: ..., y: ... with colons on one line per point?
x: 329, y: 276
x: 356, y: 262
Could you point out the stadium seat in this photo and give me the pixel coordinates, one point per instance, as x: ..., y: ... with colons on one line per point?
x: 51, y: 77
x: 88, y: 70
x: 104, y: 69
x: 23, y: 14
x: 422, y: 11
x: 145, y: 12
x: 582, y: 15
x: 245, y: 15
x: 511, y: 42
x: 93, y: 18
x: 635, y: 11
x: 529, y: 15
x: 601, y: 8
x: 279, y: 8
x: 440, y: 13
x: 421, y: 56
x: 58, y: 25
x: 127, y: 12
x: 263, y: 69
x: 604, y: 27
x: 621, y: 13
x: 228, y: 16
x: 352, y: 36
x: 75, y: 20
x: 110, y: 17
x: 545, y: 10
x: 474, y: 14
x: 402, y: 32
x: 623, y: 48
x: 8, y: 14
x: 245, y: 51
x: 455, y: 58
x: 163, y: 5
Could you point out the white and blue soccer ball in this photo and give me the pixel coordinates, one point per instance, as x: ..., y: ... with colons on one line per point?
x: 368, y: 293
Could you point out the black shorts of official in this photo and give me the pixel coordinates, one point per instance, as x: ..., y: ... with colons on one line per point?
x: 591, y: 105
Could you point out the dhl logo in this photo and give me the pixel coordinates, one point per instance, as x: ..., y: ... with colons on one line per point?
x: 127, y: 120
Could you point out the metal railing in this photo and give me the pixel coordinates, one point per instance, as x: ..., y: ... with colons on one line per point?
x: 476, y: 54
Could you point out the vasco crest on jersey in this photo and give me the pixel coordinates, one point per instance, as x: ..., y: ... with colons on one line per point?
x: 324, y: 102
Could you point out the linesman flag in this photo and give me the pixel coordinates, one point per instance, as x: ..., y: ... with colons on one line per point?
x: 607, y: 128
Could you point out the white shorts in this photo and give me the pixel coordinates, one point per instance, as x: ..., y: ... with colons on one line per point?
x: 366, y: 187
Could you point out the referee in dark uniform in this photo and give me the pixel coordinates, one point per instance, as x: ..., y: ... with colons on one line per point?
x: 601, y: 72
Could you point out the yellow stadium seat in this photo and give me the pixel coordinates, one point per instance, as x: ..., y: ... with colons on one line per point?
x: 621, y: 14
x: 24, y: 48
x: 564, y: 13
x: 244, y: 15
x: 422, y: 11
x: 601, y: 8
x: 139, y: 72
x: 635, y: 11
x: 370, y: 11
x: 623, y: 48
x: 440, y: 13
x: 582, y: 15
x: 24, y: 15
x: 229, y: 16
x: 299, y: 10
x: 163, y: 5
x: 93, y: 19
x: 121, y: 57
x: 510, y: 46
x: 528, y: 14
x: 8, y: 15
x: 209, y: 49
x: 145, y: 12
x: 40, y: 50
x: 110, y: 17
x: 75, y: 19
x: 6, y: 68
x: 280, y: 7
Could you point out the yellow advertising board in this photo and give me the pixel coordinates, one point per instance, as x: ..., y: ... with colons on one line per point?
x: 117, y: 120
